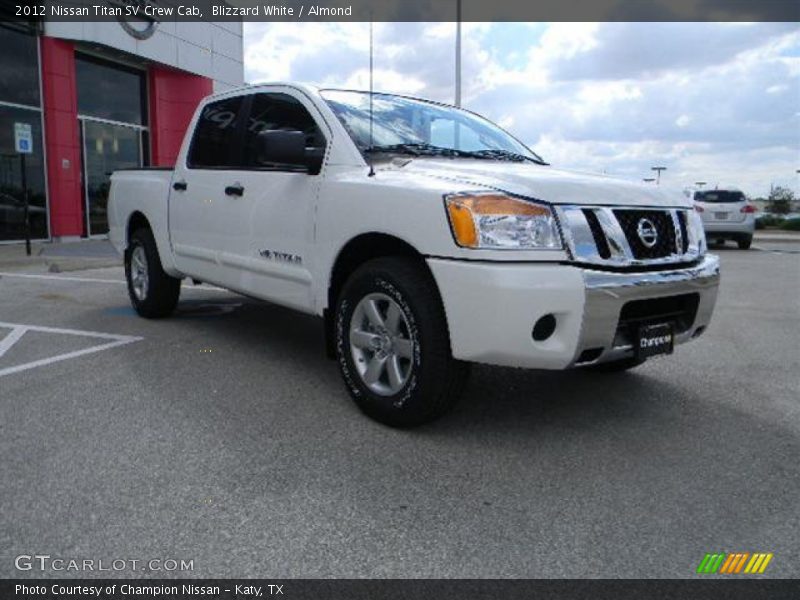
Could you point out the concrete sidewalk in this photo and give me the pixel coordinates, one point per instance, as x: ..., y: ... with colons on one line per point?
x: 776, y: 235
x: 57, y: 257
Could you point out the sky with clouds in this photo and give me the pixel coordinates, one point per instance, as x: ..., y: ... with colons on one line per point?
x: 715, y: 102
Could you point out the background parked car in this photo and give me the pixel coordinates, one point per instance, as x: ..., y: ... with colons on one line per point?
x: 726, y: 215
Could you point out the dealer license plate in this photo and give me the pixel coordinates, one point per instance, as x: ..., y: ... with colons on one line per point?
x: 653, y: 340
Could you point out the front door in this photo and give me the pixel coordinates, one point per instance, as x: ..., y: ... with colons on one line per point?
x: 106, y: 148
x: 276, y: 226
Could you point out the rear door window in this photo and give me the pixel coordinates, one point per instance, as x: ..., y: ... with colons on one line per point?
x: 214, y: 145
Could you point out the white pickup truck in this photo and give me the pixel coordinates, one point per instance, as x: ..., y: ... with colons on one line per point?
x: 425, y: 236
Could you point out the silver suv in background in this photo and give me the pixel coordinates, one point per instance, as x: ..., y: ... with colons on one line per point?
x: 726, y: 215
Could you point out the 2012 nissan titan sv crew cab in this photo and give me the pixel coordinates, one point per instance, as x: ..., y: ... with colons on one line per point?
x: 426, y: 237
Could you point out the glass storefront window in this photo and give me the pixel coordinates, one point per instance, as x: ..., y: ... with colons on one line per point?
x: 12, y: 223
x: 19, y: 66
x: 106, y: 148
x: 109, y: 91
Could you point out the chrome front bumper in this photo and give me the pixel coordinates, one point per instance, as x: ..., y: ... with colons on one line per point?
x: 607, y: 293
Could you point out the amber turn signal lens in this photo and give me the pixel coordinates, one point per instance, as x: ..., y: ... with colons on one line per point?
x: 463, y: 224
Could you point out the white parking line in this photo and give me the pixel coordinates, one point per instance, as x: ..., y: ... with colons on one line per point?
x: 55, y: 278
x: 11, y: 339
x: 18, y: 330
x: 185, y: 286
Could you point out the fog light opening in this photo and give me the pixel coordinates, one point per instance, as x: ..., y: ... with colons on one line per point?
x: 544, y: 328
x: 698, y: 332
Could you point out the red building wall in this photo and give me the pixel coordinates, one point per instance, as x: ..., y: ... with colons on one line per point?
x: 62, y: 141
x: 174, y: 96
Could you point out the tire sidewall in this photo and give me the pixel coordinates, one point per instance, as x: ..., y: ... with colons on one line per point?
x: 137, y: 241
x: 162, y: 290
x: 369, y: 282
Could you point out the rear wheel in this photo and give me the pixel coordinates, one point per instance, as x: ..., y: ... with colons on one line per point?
x: 153, y: 293
x: 744, y: 242
x: 393, y: 346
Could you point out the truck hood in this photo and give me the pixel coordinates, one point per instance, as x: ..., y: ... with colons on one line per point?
x: 542, y: 183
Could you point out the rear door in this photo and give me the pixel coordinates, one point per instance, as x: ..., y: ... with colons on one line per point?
x: 203, y: 218
x: 721, y: 206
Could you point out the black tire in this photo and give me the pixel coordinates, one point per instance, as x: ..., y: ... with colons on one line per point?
x: 617, y: 366
x: 744, y: 242
x: 162, y: 291
x: 434, y: 379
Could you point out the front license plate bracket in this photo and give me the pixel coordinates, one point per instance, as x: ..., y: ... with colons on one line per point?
x: 655, y: 339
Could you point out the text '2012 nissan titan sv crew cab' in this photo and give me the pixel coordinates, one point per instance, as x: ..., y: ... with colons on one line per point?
x: 426, y: 237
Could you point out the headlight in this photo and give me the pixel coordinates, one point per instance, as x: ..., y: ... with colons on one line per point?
x: 496, y: 221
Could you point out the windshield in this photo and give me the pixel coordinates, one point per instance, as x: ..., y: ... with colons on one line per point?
x: 408, y: 126
x: 719, y: 197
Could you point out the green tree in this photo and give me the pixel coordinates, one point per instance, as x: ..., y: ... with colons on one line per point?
x: 780, y: 200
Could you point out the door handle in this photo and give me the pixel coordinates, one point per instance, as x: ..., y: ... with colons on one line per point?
x: 234, y: 190
x: 180, y: 186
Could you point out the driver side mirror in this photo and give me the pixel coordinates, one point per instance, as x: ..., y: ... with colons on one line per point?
x: 288, y: 147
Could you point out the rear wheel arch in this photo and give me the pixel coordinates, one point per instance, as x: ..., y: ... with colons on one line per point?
x: 136, y: 221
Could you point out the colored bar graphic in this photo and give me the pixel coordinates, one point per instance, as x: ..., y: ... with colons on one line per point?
x: 715, y: 563
x: 741, y: 562
x: 728, y: 563
x: 764, y: 564
x: 734, y: 563
x: 701, y: 568
x: 751, y: 564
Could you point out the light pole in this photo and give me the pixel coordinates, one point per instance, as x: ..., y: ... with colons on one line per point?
x: 658, y: 173
x: 700, y: 184
x: 458, y: 53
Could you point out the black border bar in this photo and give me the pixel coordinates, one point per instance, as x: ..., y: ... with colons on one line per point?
x: 712, y: 588
x: 409, y: 10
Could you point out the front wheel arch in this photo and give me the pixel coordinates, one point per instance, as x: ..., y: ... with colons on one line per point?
x: 356, y: 252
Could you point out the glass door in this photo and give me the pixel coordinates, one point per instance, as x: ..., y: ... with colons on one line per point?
x: 106, y: 148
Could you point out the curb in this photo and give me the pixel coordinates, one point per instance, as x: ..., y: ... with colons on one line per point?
x: 60, y: 265
x: 781, y: 239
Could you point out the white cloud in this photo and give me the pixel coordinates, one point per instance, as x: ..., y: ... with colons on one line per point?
x: 709, y: 100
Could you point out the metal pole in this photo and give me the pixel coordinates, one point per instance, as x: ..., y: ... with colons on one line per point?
x: 457, y: 127
x: 458, y: 53
x: 26, y: 214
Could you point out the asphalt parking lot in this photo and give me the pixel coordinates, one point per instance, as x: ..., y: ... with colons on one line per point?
x: 223, y: 435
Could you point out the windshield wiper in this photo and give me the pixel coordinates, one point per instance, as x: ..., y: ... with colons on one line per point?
x: 498, y: 154
x: 422, y: 149
x: 414, y: 149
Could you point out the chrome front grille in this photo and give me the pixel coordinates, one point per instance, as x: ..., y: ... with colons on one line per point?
x: 660, y: 221
x: 622, y: 237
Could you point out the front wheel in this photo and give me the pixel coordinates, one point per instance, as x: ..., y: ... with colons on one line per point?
x: 393, y: 346
x: 153, y: 293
